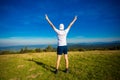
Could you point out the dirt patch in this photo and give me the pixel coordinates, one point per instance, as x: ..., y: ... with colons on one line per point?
x: 33, y: 76
x: 20, y: 66
x: 32, y: 69
x: 14, y: 79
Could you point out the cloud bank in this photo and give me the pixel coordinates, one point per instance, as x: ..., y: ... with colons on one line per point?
x: 15, y: 41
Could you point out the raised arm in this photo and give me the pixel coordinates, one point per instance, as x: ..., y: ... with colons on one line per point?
x: 46, y: 17
x: 75, y: 18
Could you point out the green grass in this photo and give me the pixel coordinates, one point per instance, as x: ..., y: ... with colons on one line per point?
x: 88, y: 65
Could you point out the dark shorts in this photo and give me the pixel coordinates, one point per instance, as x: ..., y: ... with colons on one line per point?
x: 62, y: 49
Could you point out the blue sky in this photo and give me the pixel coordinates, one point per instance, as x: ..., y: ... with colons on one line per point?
x: 23, y: 21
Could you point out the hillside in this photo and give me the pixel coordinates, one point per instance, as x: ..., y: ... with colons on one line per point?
x: 87, y: 65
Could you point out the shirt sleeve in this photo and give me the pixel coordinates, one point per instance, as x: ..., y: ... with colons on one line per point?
x: 56, y: 30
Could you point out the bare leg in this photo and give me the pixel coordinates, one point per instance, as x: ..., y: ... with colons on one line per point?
x: 66, y: 60
x: 58, y: 61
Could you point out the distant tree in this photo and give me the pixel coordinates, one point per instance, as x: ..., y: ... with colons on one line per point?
x: 49, y: 48
x: 6, y: 52
x: 81, y: 49
x: 21, y: 50
x: 25, y: 50
x: 38, y: 50
x: 54, y: 49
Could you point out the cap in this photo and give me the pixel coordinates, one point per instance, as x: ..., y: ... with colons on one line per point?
x: 61, y: 27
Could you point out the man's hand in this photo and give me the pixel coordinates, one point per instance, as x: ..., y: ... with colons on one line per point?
x: 46, y: 16
x: 75, y: 17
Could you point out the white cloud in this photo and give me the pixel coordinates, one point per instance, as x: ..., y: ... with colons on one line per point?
x: 13, y: 41
x: 90, y: 40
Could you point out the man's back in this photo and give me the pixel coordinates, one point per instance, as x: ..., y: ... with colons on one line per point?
x: 62, y: 34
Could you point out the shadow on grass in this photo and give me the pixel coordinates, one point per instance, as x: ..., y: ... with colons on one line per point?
x: 45, y: 66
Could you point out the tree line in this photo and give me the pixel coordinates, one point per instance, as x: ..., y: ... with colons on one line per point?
x: 49, y: 48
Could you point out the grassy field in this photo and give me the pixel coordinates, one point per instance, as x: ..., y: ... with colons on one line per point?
x: 88, y: 65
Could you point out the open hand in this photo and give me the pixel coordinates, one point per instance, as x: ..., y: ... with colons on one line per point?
x: 75, y: 17
x: 46, y: 16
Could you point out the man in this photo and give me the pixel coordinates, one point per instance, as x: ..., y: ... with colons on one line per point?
x: 62, y: 43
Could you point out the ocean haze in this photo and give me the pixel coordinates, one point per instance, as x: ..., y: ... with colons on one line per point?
x: 73, y: 45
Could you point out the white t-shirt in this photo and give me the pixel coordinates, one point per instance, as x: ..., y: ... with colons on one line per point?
x: 61, y: 35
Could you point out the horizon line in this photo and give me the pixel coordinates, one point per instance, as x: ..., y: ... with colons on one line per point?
x: 17, y: 41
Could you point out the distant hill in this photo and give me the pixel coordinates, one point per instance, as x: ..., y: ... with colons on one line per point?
x: 94, y: 45
x: 16, y: 48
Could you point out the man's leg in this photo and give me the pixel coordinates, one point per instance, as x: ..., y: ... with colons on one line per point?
x: 58, y: 63
x: 66, y: 60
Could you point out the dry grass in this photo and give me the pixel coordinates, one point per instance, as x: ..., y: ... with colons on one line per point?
x: 87, y: 65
